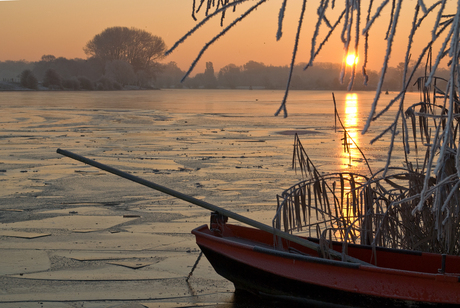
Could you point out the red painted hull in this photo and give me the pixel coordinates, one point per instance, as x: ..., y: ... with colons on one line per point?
x: 246, y: 257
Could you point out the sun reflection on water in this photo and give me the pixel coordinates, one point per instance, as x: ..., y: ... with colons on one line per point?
x: 350, y: 157
x: 350, y: 123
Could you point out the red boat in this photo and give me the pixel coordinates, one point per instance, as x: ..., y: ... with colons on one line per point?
x: 267, y: 261
x: 393, y: 278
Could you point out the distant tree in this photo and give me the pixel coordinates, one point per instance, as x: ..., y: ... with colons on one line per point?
x: 254, y: 73
x: 71, y: 83
x: 52, y: 79
x: 210, y: 80
x: 135, y: 46
x: 85, y: 83
x: 48, y: 58
x: 206, y: 80
x: 68, y: 68
x: 120, y: 71
x: 104, y: 83
x: 13, y: 69
x: 117, y: 86
x: 229, y: 76
x: 170, y: 76
x: 194, y: 82
x: 28, y: 80
x: 143, y: 79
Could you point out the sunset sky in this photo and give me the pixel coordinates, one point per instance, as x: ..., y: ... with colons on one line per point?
x: 32, y: 28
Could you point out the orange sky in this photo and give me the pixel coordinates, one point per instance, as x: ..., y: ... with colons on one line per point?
x: 32, y: 28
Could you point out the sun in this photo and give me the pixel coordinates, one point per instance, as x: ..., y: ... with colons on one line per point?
x: 352, y: 59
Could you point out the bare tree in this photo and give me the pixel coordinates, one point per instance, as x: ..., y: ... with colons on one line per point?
x: 48, y: 58
x: 120, y: 71
x: 52, y: 79
x: 29, y: 80
x: 230, y: 75
x: 135, y: 46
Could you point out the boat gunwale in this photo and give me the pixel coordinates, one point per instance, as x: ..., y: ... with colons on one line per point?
x: 377, y: 269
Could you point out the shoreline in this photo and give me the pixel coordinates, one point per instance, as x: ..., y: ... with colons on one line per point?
x: 16, y: 87
x: 6, y: 86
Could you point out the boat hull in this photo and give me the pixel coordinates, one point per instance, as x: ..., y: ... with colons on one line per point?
x: 244, y: 256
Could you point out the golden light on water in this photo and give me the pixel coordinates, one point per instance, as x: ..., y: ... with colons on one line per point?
x: 350, y: 122
x: 349, y: 159
x: 351, y: 59
x: 351, y: 110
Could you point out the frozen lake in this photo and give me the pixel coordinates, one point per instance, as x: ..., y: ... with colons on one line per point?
x: 222, y: 146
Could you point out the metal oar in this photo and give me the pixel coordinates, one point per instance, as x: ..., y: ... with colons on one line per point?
x: 208, y: 206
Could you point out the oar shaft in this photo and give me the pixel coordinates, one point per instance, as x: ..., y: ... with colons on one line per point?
x: 203, y: 204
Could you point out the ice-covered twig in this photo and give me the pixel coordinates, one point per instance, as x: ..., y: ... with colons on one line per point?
x: 296, y: 44
x: 279, y: 33
x: 353, y: 73
x: 385, y: 65
x: 197, y: 26
x: 206, y: 46
x: 366, y: 45
x: 310, y: 62
x: 414, y: 69
x: 321, y: 11
x: 193, y: 11
x: 449, y: 197
x: 422, y: 5
x: 441, y: 54
x: 346, y: 29
x: 438, y: 19
x: 452, y: 90
x: 391, y: 19
x: 394, y: 133
x: 423, y: 193
x: 377, y: 14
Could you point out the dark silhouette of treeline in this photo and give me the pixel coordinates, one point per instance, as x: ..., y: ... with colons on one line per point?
x: 256, y: 75
x: 92, y: 74
x: 118, y: 57
x: 73, y: 74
